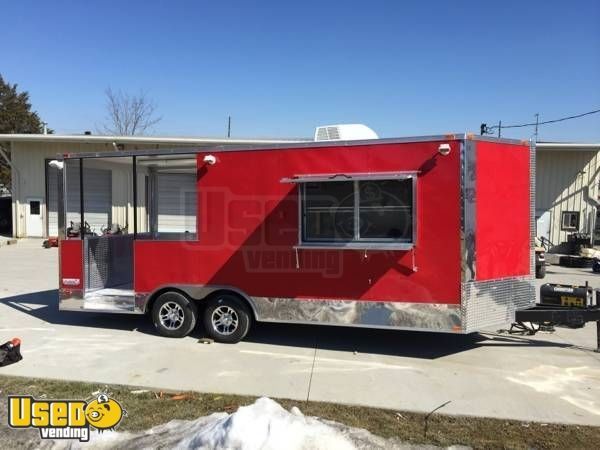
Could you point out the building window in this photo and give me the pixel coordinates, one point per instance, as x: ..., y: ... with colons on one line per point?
x: 358, y: 211
x: 34, y: 207
x: 569, y: 221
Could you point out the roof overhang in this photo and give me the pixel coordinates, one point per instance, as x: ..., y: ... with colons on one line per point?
x: 568, y: 146
x: 96, y: 139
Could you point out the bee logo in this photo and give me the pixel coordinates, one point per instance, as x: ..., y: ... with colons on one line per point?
x: 104, y: 413
x: 65, y: 419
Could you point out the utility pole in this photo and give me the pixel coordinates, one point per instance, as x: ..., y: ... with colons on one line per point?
x: 229, y: 126
x: 499, y: 128
x: 537, y: 121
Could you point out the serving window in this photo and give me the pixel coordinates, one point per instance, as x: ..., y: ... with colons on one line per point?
x: 357, y: 211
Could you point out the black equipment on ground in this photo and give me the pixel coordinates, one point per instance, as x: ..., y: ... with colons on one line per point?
x: 577, y: 241
x: 560, y: 305
x: 564, y: 295
x: 115, y: 228
x: 10, y: 352
x: 576, y: 261
x: 75, y: 229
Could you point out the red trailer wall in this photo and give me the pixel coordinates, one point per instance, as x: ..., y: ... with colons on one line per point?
x: 248, y: 225
x: 502, y: 238
x: 71, y: 262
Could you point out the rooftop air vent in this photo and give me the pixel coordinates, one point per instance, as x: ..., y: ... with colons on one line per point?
x: 344, y: 132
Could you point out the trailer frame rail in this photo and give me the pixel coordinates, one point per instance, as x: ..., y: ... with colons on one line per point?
x: 555, y: 315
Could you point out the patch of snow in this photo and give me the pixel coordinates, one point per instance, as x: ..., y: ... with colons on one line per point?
x: 262, y: 425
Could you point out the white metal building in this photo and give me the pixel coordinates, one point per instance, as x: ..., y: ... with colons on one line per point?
x: 34, y: 182
x: 567, y: 191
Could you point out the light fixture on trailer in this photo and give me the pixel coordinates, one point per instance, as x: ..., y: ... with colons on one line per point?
x: 210, y: 159
x: 56, y: 164
x: 444, y: 149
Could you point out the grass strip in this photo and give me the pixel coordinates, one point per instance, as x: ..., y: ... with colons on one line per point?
x: 151, y: 408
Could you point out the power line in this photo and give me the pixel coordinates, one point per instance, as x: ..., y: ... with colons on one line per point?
x: 533, y: 124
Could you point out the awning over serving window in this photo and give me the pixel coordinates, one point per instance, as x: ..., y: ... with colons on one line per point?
x: 349, y: 176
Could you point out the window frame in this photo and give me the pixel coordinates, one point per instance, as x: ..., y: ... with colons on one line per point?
x: 357, y: 242
x: 563, y: 214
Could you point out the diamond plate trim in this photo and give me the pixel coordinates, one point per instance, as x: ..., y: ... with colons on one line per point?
x: 372, y: 314
x: 494, y: 302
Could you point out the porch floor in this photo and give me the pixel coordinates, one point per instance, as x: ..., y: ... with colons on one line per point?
x: 122, y: 289
x: 116, y: 298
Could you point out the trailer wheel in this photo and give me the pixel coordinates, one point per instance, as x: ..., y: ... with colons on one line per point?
x: 226, y: 319
x: 174, y: 315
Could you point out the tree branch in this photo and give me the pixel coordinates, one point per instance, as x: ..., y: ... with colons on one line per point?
x: 129, y: 115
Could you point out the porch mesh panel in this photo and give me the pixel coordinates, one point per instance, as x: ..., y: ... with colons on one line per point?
x: 108, y: 262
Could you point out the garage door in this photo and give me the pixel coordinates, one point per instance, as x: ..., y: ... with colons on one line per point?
x: 176, y: 202
x: 97, y: 196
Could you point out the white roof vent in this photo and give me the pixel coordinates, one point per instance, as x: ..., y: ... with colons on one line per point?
x: 344, y: 132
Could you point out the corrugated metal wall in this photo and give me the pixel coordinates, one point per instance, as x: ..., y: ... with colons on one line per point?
x: 567, y: 181
x: 176, y: 202
x: 30, y: 181
x: 121, y: 190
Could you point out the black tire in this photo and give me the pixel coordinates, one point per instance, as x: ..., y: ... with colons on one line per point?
x: 581, y: 262
x: 180, y: 307
x: 231, y: 308
x: 540, y: 271
x: 587, y: 263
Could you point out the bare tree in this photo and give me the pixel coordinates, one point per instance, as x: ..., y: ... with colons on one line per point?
x: 129, y: 115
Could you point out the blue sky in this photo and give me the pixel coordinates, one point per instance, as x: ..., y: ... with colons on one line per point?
x: 281, y: 68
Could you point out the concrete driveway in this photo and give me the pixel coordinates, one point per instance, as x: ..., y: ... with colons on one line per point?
x: 548, y: 378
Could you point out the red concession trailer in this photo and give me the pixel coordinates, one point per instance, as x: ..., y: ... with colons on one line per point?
x: 426, y: 233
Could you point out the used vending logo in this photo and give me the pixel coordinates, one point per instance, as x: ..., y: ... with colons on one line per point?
x: 65, y: 419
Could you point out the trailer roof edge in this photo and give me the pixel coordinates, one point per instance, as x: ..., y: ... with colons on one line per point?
x: 221, y: 147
